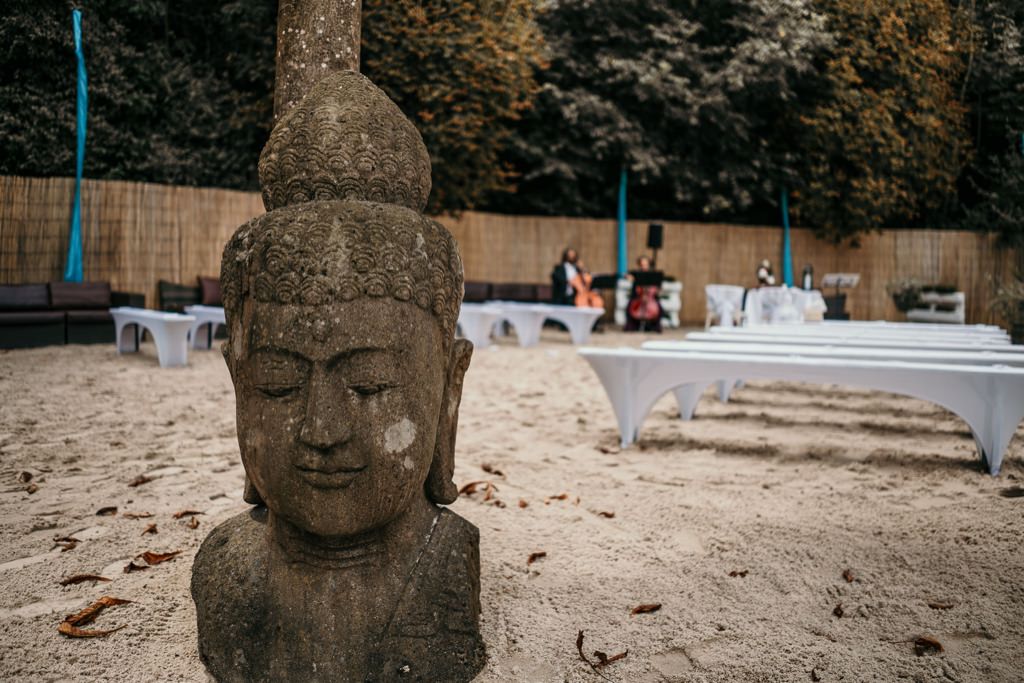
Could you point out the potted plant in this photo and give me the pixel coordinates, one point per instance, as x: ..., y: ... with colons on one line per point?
x: 906, y: 293
x: 1008, y: 302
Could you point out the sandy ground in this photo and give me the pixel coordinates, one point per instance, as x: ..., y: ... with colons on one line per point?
x: 740, y: 523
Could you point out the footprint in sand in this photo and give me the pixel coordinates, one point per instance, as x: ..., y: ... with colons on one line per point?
x: 41, y: 608
x: 83, y: 535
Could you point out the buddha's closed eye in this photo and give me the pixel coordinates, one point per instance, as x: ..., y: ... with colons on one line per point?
x: 278, y: 390
x: 371, y: 388
x: 279, y: 376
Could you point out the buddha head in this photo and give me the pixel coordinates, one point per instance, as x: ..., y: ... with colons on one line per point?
x: 347, y: 376
x: 341, y: 305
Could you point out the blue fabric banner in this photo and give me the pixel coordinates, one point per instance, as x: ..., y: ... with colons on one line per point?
x: 623, y: 243
x: 73, y: 268
x: 787, y: 249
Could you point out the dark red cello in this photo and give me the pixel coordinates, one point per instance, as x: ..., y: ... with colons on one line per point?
x: 644, y: 307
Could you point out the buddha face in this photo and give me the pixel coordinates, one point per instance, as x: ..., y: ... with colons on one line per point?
x: 339, y: 408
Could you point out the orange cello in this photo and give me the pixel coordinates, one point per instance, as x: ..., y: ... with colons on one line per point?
x: 585, y: 296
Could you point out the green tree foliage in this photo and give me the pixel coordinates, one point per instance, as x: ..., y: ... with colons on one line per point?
x: 698, y: 100
x: 464, y: 72
x: 178, y: 91
x: 992, y: 187
x: 887, y: 142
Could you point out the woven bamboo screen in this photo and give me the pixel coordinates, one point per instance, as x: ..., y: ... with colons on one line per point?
x: 135, y: 234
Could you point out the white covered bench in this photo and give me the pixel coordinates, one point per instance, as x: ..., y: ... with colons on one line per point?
x: 170, y: 333
x: 934, y: 327
x: 203, y: 329
x: 890, y: 342
x: 476, y: 321
x: 528, y: 319
x: 725, y: 385
x: 859, y: 332
x: 990, y: 399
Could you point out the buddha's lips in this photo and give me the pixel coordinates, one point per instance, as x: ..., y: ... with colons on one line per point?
x: 329, y: 477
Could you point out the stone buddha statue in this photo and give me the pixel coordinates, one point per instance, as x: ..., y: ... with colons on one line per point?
x: 341, y: 305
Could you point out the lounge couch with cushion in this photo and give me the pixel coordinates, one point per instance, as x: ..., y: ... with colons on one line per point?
x: 26, y: 319
x: 59, y: 313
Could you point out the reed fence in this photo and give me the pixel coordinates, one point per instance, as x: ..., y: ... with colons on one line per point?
x: 135, y: 234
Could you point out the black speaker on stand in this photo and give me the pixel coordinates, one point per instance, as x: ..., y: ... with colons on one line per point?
x: 655, y: 240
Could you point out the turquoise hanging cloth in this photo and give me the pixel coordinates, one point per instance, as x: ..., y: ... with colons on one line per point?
x: 787, y: 248
x: 623, y: 244
x: 73, y: 268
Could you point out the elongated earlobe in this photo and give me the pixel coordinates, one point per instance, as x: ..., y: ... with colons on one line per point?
x: 250, y: 494
x: 440, y: 486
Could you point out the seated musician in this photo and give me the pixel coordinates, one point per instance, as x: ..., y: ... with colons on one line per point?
x: 561, y: 278
x: 570, y: 283
x: 644, y: 309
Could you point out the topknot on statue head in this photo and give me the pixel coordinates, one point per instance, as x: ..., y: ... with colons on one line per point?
x: 345, y: 140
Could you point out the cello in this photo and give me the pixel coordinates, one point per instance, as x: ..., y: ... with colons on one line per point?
x: 644, y: 307
x: 585, y: 296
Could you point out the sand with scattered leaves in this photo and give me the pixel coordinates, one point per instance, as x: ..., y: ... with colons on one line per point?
x: 740, y: 524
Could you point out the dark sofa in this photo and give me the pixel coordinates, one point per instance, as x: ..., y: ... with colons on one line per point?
x: 478, y: 292
x: 26, y: 319
x: 59, y: 313
x: 174, y: 297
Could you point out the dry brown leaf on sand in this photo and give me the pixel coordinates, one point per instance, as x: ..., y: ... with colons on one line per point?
x: 186, y: 513
x: 941, y: 605
x: 579, y: 649
x: 66, y: 542
x: 139, y: 481
x: 156, y: 558
x: 137, y: 515
x: 560, y: 496
x: 605, y: 660
x: 848, y: 575
x: 70, y: 626
x: 470, y: 488
x: 606, y: 515
x: 535, y: 556
x: 924, y: 645
x: 193, y: 523
x: 491, y: 469
x: 646, y: 608
x: 82, y: 578
x: 151, y: 529
x: 107, y: 511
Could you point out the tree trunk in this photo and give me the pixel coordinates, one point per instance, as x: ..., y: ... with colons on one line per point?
x: 314, y: 38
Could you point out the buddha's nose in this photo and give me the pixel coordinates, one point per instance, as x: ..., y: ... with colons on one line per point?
x: 326, y: 422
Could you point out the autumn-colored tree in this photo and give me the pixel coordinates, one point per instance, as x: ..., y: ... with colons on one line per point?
x: 888, y: 141
x: 463, y: 72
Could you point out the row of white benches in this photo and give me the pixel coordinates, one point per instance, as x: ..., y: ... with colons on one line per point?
x: 172, y: 332
x: 477, y: 322
x: 974, y: 372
